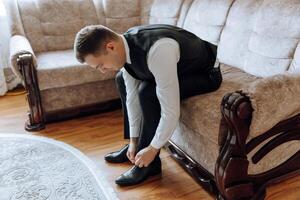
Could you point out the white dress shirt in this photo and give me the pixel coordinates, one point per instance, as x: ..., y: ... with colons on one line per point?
x: 162, y: 61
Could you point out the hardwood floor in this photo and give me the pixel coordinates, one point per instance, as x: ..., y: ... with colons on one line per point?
x: 98, y: 134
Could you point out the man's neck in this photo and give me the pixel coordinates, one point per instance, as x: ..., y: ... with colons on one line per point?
x: 125, y: 49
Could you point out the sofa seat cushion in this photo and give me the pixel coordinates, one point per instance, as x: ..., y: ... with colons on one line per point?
x: 78, y: 96
x: 58, y: 69
x: 202, y: 114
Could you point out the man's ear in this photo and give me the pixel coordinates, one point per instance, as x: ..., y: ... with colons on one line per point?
x: 110, y: 46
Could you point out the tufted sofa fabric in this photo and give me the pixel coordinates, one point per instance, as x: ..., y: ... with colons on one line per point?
x: 258, y: 48
x: 206, y: 18
x: 52, y: 25
x: 261, y: 36
x: 46, y: 29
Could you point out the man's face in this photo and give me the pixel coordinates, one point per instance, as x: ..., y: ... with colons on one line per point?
x: 106, y: 62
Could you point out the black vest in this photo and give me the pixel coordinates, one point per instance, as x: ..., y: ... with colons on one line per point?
x: 196, y: 55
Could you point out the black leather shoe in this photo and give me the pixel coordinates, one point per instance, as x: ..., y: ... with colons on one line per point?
x: 137, y: 175
x: 118, y: 156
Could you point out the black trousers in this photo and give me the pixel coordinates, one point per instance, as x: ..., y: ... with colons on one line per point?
x: 191, y: 84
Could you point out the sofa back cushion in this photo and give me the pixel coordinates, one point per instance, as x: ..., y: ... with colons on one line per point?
x: 206, y: 18
x: 233, y: 45
x: 52, y: 24
x: 121, y: 15
x: 168, y: 12
x: 261, y: 36
x: 145, y: 10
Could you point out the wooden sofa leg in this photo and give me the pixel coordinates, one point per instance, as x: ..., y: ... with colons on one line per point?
x: 35, y: 120
x: 231, y: 171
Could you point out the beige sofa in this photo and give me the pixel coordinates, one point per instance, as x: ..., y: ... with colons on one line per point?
x: 59, y: 86
x: 236, y: 140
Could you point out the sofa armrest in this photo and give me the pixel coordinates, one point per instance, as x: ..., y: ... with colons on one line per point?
x: 273, y: 99
x: 23, y: 63
x: 261, y: 106
x: 19, y: 45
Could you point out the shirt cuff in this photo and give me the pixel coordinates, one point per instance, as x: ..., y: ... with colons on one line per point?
x: 157, y: 144
x: 134, y: 131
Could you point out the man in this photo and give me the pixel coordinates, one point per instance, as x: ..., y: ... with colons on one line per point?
x: 158, y: 65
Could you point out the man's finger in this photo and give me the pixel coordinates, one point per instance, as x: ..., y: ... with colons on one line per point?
x: 137, y: 161
x: 128, y: 155
x: 132, y: 159
x: 133, y: 155
x: 137, y: 156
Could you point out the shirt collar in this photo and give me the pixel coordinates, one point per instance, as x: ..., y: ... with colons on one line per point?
x: 128, y: 60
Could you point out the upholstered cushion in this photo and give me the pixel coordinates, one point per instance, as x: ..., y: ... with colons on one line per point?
x: 165, y: 12
x: 77, y: 96
x: 271, y: 49
x: 233, y: 44
x: 52, y: 25
x: 121, y: 15
x: 60, y: 69
x: 185, y: 7
x: 253, y: 38
x: 206, y: 18
x: 145, y: 11
x: 19, y: 45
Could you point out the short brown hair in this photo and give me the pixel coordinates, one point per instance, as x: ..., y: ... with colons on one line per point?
x: 91, y: 40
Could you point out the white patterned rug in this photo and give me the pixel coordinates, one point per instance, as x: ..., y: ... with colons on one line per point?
x: 39, y: 168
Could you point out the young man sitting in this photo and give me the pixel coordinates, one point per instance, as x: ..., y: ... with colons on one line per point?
x: 159, y: 65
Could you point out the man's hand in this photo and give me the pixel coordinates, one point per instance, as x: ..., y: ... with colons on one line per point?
x: 145, y: 156
x: 132, y: 150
